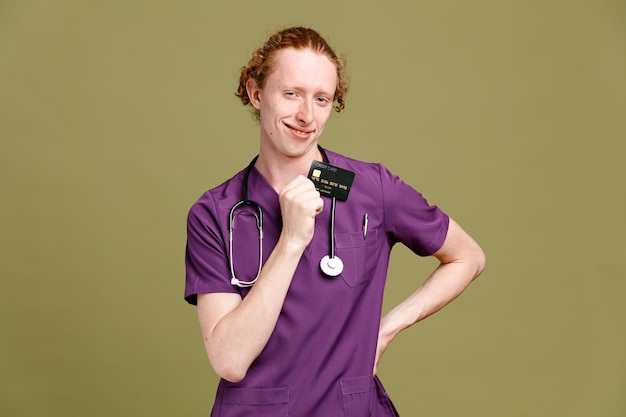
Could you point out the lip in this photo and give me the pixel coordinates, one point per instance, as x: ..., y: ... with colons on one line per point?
x: 299, y: 133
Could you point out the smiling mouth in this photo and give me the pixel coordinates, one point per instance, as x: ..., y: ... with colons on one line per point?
x: 299, y: 132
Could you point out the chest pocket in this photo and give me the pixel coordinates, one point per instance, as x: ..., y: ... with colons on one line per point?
x: 359, y: 256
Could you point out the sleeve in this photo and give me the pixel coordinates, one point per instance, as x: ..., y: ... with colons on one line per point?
x: 409, y: 218
x: 206, y: 257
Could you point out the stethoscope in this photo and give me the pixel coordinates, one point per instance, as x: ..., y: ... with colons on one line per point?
x: 331, y: 265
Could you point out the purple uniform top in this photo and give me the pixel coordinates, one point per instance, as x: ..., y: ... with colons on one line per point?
x: 319, y: 359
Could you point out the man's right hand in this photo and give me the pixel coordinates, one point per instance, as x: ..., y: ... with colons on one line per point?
x: 300, y: 203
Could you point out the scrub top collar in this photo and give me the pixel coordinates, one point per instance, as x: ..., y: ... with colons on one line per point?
x: 263, y: 193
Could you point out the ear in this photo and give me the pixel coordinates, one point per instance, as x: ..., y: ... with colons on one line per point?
x: 254, y: 92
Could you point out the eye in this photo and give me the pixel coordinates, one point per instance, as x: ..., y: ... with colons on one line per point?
x: 322, y: 100
x: 291, y: 94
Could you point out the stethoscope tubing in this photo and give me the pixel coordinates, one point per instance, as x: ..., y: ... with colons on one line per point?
x: 331, y: 265
x: 231, y: 223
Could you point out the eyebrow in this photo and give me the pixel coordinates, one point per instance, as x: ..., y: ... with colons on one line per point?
x: 316, y: 93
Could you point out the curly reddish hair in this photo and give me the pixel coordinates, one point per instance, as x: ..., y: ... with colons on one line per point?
x: 260, y: 65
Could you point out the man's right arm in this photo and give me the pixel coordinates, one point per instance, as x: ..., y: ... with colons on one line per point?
x: 236, y: 330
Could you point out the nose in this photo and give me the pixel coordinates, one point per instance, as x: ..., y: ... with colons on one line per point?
x: 305, y: 112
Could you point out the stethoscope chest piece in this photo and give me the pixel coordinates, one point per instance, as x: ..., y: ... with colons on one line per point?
x: 331, y: 266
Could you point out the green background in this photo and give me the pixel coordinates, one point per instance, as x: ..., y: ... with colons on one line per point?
x: 510, y: 115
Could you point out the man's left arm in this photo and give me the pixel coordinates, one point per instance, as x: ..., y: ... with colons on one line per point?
x: 461, y: 261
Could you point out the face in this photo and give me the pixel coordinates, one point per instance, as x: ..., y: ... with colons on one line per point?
x: 295, y: 102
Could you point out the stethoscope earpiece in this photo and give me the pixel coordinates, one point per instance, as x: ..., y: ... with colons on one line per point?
x: 331, y: 266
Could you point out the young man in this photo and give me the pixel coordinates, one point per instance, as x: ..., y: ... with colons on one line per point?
x: 288, y: 334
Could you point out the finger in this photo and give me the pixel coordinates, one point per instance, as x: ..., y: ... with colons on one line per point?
x: 302, y: 190
x: 298, y: 181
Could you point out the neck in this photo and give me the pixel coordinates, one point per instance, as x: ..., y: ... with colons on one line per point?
x: 279, y: 170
